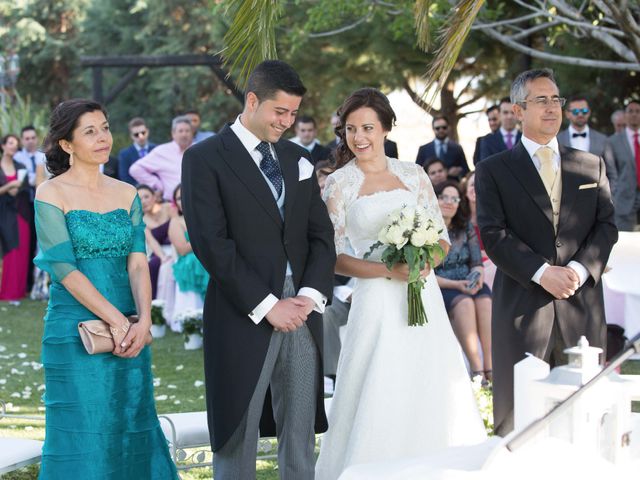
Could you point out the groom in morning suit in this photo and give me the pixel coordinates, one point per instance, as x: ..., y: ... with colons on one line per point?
x: 257, y: 223
x: 546, y: 221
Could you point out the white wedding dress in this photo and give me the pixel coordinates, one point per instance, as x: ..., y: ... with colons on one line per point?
x: 401, y: 391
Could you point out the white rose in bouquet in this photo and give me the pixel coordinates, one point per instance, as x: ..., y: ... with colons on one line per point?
x: 419, y: 237
x: 432, y: 235
x: 395, y: 236
x: 382, y: 235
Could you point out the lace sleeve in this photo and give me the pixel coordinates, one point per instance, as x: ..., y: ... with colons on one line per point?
x: 55, y: 255
x: 333, y: 196
x: 475, y: 255
x: 427, y: 198
x: 136, y: 214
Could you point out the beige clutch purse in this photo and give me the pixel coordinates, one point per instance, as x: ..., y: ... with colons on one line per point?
x: 96, y: 335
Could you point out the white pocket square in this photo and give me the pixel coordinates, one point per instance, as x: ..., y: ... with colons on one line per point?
x: 305, y: 169
x: 584, y: 186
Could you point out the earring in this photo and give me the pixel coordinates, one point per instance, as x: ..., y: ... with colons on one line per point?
x: 71, y: 159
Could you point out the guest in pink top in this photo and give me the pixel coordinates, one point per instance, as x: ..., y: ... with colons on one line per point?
x: 162, y: 167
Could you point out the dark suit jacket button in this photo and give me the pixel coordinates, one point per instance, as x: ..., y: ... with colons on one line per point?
x: 558, y: 244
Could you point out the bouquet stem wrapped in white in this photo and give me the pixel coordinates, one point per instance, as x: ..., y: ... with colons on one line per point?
x: 410, y: 237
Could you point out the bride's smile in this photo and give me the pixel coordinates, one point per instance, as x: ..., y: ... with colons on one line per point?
x: 365, y: 136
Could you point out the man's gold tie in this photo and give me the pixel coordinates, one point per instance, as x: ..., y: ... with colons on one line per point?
x: 548, y: 175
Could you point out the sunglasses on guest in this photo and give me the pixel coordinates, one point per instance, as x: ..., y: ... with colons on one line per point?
x: 137, y: 134
x: 577, y: 111
x: 441, y: 127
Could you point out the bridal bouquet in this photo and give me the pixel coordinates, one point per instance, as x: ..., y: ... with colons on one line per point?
x: 410, y: 237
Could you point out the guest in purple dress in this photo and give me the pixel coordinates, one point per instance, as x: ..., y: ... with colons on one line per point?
x: 156, y: 218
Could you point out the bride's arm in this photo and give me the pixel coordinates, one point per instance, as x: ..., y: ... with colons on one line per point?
x: 354, y: 267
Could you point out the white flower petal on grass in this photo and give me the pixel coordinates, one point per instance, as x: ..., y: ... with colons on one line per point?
x: 198, y: 383
x: 41, y: 387
x: 36, y: 366
x: 177, y: 402
x: 171, y: 397
x: 156, y: 382
x: 179, y: 367
x: 172, y: 387
x: 161, y: 398
x: 16, y: 395
x: 28, y: 428
x: 2, y: 347
x: 3, y: 381
x: 41, y: 409
x: 15, y: 371
x: 24, y: 345
x: 22, y: 355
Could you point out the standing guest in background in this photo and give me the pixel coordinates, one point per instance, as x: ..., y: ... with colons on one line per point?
x: 579, y: 135
x: 101, y: 420
x: 190, y: 276
x: 139, y: 133
x: 506, y: 137
x: 493, y: 117
x: 623, y: 169
x: 390, y: 148
x: 460, y: 276
x: 617, y: 120
x: 442, y: 147
x: 156, y: 219
x: 161, y: 168
x: 306, y: 131
x: 436, y: 170
x: 546, y: 220
x: 335, y: 121
x: 34, y: 160
x: 194, y: 118
x: 15, y: 211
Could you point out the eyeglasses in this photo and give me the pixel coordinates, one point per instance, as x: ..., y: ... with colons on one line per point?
x: 137, y: 134
x: 578, y: 111
x: 546, y: 101
x: 441, y: 127
x: 448, y: 199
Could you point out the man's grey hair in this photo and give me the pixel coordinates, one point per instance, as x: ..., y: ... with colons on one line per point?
x: 617, y: 113
x: 180, y: 119
x: 519, y: 90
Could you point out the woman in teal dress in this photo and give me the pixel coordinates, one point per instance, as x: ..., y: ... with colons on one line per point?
x: 101, y: 421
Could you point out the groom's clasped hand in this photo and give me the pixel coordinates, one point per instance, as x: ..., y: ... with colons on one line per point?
x: 289, y: 314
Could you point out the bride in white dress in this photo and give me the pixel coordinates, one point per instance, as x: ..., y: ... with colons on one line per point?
x: 401, y: 391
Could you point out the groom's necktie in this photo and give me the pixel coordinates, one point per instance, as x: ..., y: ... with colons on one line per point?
x: 270, y: 167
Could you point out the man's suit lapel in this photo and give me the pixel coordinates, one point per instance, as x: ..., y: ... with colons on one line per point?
x: 571, y: 167
x: 248, y: 172
x: 520, y: 164
x: 289, y: 168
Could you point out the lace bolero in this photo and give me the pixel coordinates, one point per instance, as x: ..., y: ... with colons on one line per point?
x: 343, y: 186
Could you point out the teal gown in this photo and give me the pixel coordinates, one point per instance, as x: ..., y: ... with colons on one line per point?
x: 101, y: 421
x: 189, y: 273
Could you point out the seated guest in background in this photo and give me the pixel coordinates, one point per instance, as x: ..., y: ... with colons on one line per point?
x: 505, y: 137
x: 194, y: 118
x: 447, y: 150
x: 156, y: 218
x: 323, y: 170
x: 493, y: 117
x: 15, y: 211
x: 436, y: 170
x: 617, y: 120
x: 461, y: 279
x: 623, y: 169
x: 306, y: 132
x: 162, y: 167
x: 139, y: 133
x: 190, y: 276
x: 579, y: 135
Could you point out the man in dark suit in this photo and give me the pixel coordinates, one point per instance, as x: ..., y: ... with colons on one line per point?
x: 579, y: 135
x: 258, y: 225
x: 623, y: 167
x: 493, y: 117
x: 390, y: 148
x: 546, y: 221
x: 448, y: 151
x: 140, y: 147
x: 306, y: 137
x: 506, y: 137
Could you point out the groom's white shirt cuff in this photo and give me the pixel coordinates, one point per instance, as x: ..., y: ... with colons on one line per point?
x: 576, y: 266
x: 258, y: 313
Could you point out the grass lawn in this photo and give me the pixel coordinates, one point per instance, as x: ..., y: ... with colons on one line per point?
x: 178, y: 376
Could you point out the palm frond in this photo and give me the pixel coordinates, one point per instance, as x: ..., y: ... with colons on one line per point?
x: 251, y: 37
x: 451, y: 41
x: 421, y: 15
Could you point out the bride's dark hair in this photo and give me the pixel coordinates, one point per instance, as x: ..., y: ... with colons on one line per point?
x: 364, y: 97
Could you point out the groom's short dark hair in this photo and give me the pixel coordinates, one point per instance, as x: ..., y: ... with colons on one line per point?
x: 271, y: 76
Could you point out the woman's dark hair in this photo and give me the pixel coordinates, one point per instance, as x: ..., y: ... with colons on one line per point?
x: 175, y: 195
x: 144, y: 186
x: 64, y: 120
x: 460, y: 219
x: 5, y: 139
x: 364, y: 97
